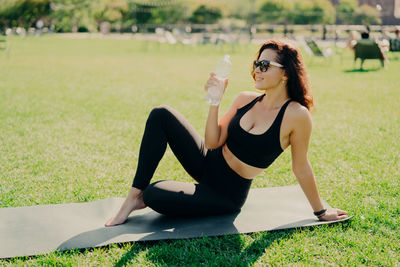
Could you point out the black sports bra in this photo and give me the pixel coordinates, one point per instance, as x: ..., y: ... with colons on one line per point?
x: 258, y: 150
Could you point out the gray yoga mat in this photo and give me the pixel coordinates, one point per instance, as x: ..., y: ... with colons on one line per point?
x: 41, y: 229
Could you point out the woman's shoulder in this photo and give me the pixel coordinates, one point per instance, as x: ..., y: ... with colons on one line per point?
x: 245, y: 97
x: 298, y: 113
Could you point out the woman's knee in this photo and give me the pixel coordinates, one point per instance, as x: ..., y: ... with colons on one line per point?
x: 159, y: 112
x: 150, y: 194
x: 147, y: 194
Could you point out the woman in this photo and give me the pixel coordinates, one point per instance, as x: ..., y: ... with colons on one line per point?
x: 249, y: 137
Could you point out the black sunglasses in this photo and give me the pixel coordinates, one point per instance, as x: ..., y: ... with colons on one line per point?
x: 264, y: 64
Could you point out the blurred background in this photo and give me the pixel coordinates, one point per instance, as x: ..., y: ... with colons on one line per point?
x: 193, y: 21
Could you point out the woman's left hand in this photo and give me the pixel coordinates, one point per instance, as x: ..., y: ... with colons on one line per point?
x: 334, y: 215
x: 214, y: 81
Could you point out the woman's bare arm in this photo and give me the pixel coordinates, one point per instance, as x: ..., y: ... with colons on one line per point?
x: 217, y: 132
x: 299, y: 141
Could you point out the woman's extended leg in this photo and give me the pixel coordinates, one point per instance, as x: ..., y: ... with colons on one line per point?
x: 164, y: 126
x: 186, y: 199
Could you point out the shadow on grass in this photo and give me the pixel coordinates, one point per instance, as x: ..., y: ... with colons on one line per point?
x: 222, y: 250
x: 361, y: 70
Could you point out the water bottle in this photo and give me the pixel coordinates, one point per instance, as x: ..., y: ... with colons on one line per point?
x: 222, y: 70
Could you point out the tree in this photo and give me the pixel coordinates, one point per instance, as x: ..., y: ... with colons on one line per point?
x: 367, y: 15
x: 313, y: 12
x: 139, y: 13
x: 276, y: 11
x: 73, y: 15
x: 345, y: 11
x: 325, y: 12
x: 110, y: 10
x: 170, y: 14
x: 205, y: 15
x: 4, y: 7
x: 24, y: 13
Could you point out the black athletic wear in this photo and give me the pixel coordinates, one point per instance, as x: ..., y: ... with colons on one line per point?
x: 258, y: 150
x: 220, y: 189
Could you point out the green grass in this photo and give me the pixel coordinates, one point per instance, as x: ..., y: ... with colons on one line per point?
x: 72, y: 114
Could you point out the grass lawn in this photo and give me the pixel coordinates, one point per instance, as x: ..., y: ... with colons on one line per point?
x: 72, y: 114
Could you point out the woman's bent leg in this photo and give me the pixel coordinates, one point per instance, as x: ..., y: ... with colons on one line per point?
x: 167, y: 126
x: 186, y: 199
x: 164, y: 126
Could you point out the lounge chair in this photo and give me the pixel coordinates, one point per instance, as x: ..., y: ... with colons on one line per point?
x: 368, y: 49
x: 316, y: 50
x: 394, y: 44
x: 312, y: 49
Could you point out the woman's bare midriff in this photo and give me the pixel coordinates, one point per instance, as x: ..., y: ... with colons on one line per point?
x: 242, y: 169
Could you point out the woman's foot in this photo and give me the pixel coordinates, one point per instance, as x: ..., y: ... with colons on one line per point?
x: 134, y: 201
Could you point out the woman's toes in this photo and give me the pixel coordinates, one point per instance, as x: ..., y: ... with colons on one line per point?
x: 110, y: 222
x: 115, y: 221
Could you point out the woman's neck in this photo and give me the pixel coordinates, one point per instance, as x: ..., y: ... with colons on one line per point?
x: 275, y: 98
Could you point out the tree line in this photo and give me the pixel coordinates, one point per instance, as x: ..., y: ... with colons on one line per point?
x: 87, y: 15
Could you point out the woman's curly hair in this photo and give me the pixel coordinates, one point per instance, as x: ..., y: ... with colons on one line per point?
x: 298, y: 86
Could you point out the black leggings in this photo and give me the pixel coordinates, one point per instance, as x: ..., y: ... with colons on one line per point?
x: 219, y: 190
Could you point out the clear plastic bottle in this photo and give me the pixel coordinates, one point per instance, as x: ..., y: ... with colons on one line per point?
x: 222, y: 71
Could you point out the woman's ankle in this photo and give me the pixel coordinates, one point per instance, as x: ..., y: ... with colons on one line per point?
x: 135, y: 192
